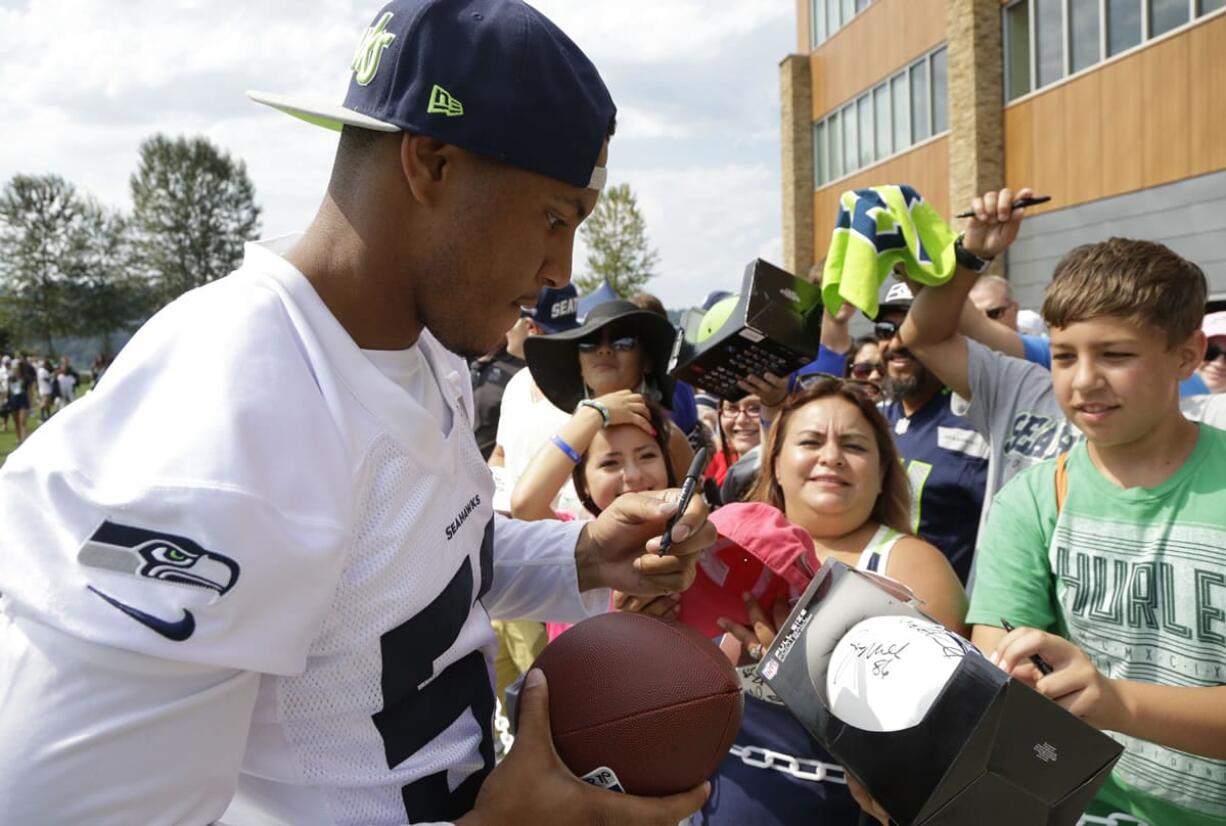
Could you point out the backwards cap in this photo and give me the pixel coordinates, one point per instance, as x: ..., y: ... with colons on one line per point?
x: 495, y: 77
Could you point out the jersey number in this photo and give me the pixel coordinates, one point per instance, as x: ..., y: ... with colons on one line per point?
x: 418, y: 705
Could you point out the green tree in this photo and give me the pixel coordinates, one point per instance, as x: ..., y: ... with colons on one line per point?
x: 617, y: 247
x: 106, y: 294
x: 43, y: 236
x: 193, y: 207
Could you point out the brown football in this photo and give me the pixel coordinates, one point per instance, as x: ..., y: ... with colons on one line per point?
x: 655, y: 702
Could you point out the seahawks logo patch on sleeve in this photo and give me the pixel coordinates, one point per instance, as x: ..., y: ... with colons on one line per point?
x: 161, y: 557
x: 158, y: 556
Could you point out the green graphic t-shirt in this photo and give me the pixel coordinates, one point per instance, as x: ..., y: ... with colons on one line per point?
x: 1135, y: 578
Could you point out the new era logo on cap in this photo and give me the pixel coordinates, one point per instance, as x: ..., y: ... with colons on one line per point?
x: 443, y: 103
x: 420, y: 58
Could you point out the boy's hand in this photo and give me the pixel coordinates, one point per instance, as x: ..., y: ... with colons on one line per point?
x: 995, y: 224
x: 1074, y: 682
x: 532, y: 785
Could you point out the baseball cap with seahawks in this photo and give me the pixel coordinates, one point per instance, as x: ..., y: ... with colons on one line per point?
x: 494, y: 77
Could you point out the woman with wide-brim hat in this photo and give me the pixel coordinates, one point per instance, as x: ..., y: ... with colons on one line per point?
x: 619, y: 347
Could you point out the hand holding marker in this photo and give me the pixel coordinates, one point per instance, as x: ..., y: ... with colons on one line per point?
x: 692, y: 477
x: 1020, y: 203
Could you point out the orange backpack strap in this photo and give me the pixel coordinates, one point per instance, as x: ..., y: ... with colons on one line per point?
x: 1061, y: 481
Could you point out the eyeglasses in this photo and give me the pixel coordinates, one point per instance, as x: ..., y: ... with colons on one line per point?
x: 864, y: 369
x: 731, y: 411
x: 885, y: 329
x: 622, y: 344
x: 1213, y: 353
x: 997, y: 313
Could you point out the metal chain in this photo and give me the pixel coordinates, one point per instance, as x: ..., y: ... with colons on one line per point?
x: 802, y: 768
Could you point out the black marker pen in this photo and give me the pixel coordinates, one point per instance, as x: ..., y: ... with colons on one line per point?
x: 692, y: 477
x: 1020, y: 203
x: 1038, y: 661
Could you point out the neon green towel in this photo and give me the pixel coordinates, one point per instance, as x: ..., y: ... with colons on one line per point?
x: 876, y: 229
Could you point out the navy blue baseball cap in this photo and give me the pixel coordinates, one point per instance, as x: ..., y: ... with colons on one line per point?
x: 556, y: 310
x: 495, y: 77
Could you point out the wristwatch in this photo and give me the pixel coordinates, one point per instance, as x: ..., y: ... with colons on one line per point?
x: 599, y: 408
x: 968, y: 259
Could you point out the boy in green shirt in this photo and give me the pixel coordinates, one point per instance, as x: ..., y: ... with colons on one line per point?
x: 1121, y: 586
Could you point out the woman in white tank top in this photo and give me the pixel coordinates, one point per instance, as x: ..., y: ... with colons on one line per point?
x: 829, y: 463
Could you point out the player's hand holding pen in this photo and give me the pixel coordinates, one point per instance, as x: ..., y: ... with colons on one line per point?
x: 623, y: 548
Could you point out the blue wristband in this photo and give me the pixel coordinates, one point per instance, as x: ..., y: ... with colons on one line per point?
x: 570, y: 452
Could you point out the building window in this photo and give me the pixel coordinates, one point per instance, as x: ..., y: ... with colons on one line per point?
x: 909, y: 107
x: 1049, y: 40
x: 881, y: 117
x: 1083, y: 38
x: 851, y: 143
x: 1017, y: 50
x: 1046, y: 40
x: 1165, y: 15
x: 821, y: 169
x: 902, y: 112
x: 1123, y: 25
x: 940, y: 91
x: 920, y: 127
x: 828, y: 16
x: 835, y: 130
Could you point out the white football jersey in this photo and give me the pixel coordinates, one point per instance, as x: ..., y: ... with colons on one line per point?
x: 251, y: 566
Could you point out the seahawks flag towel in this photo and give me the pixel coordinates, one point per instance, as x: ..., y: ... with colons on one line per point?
x: 876, y: 229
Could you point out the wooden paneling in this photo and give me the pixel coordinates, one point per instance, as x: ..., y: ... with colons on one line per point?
x: 1207, y: 96
x: 804, y: 12
x: 1083, y: 138
x: 1123, y: 116
x: 925, y: 168
x: 1153, y: 117
x: 875, y: 44
x: 1164, y: 68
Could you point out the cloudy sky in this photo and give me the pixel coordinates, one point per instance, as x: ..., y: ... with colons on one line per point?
x: 83, y: 82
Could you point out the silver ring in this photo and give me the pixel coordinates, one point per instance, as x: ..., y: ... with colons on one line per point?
x: 755, y: 651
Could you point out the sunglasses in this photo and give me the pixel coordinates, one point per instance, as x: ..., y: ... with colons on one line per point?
x: 864, y: 369
x: 885, y: 329
x: 997, y: 313
x: 1214, y: 352
x: 621, y: 344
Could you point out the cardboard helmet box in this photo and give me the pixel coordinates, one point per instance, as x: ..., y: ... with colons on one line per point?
x: 774, y: 326
x: 987, y: 749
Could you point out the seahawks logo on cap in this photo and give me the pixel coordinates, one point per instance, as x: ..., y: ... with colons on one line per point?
x: 370, y: 50
x: 160, y: 556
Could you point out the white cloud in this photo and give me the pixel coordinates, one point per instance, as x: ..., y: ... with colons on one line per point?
x: 83, y: 82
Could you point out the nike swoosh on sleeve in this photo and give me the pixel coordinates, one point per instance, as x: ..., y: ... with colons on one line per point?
x: 177, y: 631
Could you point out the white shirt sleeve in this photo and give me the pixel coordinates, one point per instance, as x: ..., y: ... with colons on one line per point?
x: 92, y: 734
x: 535, y: 576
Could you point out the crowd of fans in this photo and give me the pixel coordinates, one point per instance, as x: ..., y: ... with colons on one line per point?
x: 889, y: 452
x: 34, y: 388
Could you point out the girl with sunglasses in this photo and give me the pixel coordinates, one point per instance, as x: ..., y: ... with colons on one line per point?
x: 619, y: 347
x: 865, y: 366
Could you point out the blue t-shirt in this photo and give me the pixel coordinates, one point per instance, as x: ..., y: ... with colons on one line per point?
x: 685, y: 410
x: 947, y: 462
x: 1038, y: 351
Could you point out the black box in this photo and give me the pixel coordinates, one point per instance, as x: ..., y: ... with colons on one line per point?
x: 774, y: 328
x: 989, y: 750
